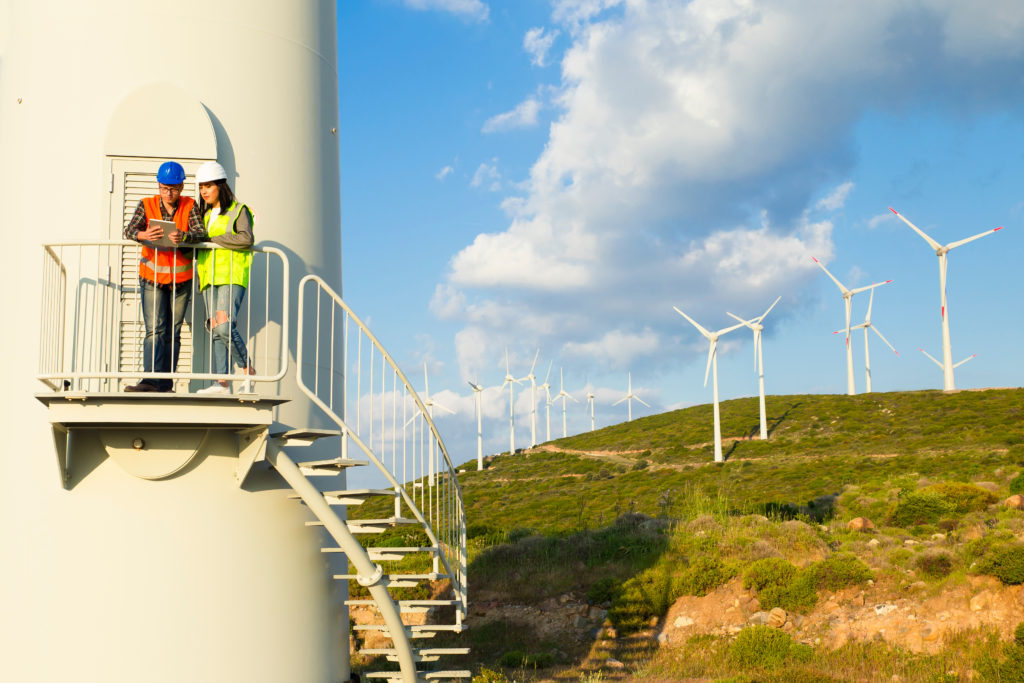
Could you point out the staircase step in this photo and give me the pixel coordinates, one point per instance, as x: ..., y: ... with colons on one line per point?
x: 407, y: 606
x: 398, y: 580
x: 355, y: 496
x: 430, y: 654
x: 426, y: 675
x: 371, y: 526
x: 417, y: 630
x: 384, y: 553
x: 330, y: 468
x: 302, y: 437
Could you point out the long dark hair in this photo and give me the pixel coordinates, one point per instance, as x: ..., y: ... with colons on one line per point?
x: 224, y: 197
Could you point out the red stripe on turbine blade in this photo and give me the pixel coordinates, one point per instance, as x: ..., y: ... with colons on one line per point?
x: 894, y: 211
x: 997, y: 229
x: 887, y: 282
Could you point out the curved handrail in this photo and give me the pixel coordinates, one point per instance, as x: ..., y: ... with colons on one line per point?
x: 455, y: 553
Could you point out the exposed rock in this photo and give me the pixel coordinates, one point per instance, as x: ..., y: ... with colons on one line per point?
x: 759, y: 618
x: 860, y: 524
x: 613, y: 663
x: 1015, y: 501
x: 882, y: 610
x: 683, y: 622
x: 580, y: 622
x: 777, y: 617
x: 873, y: 543
x: 938, y: 537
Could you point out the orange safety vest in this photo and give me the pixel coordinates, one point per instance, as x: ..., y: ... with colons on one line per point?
x: 166, y: 265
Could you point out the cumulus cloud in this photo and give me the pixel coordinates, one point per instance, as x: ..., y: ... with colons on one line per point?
x: 523, y: 116
x: 537, y: 43
x: 690, y: 144
x: 472, y: 10
x: 444, y: 172
x: 487, y: 175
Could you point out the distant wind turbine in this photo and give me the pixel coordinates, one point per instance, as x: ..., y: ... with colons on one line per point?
x: 941, y: 251
x: 590, y: 403
x: 563, y: 394
x: 533, y: 400
x: 547, y: 399
x: 478, y: 390
x: 867, y: 356
x: 755, y: 325
x: 511, y: 381
x: 628, y: 398
x: 712, y: 338
x: 848, y: 302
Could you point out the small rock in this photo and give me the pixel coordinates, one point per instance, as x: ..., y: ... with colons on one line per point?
x: 610, y: 633
x: 979, y: 602
x: 613, y: 663
x: 895, y: 678
x: 759, y: 618
x: 777, y: 617
x: 882, y: 610
x: 564, y: 598
x: 871, y: 582
x: 580, y: 622
x: 682, y: 622
x: 653, y: 621
x: 860, y: 524
x: 910, y: 541
x: 796, y: 620
x: 597, y: 614
x: 929, y: 634
x: 873, y: 543
x: 938, y: 537
x: 662, y: 638
x: 1015, y: 501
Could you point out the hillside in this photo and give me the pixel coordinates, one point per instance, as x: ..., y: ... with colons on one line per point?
x: 627, y: 553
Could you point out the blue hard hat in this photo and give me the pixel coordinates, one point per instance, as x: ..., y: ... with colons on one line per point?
x: 170, y: 173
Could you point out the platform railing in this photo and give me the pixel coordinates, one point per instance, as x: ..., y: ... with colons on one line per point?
x: 346, y: 371
x: 92, y: 333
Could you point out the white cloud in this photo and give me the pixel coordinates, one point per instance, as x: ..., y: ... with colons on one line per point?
x: 837, y: 198
x: 444, y: 173
x: 537, y: 43
x: 473, y: 10
x: 878, y: 219
x: 691, y: 142
x: 616, y: 349
x: 523, y: 116
x: 487, y: 174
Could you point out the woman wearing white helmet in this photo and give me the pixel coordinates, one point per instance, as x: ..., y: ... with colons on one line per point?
x: 223, y: 273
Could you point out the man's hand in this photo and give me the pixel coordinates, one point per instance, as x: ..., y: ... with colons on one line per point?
x: 151, y: 234
x: 175, y: 236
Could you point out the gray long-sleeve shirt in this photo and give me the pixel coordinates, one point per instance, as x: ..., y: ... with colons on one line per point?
x: 241, y: 238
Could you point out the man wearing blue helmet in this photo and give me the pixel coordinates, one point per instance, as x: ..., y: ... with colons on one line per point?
x: 165, y: 275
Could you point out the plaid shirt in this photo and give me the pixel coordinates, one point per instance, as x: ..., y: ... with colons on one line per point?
x: 139, y: 222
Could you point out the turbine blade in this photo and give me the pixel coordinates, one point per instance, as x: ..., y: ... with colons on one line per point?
x: 534, y: 364
x: 730, y: 329
x: 973, y: 355
x: 748, y: 323
x: 711, y: 355
x: 867, y: 287
x: 934, y: 245
x: 763, y: 315
x: 548, y: 376
x: 620, y: 400
x: 882, y: 337
x: 871, y: 302
x: 640, y: 400
x: 438, y: 405
x: 954, y: 245
x: 694, y: 323
x: 839, y: 284
x: 930, y: 357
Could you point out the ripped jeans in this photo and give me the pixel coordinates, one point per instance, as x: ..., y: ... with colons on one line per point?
x: 222, y: 304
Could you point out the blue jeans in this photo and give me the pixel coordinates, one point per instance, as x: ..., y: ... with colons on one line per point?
x: 222, y: 304
x: 163, y: 310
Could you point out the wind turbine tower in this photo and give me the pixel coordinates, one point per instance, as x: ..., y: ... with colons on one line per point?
x: 628, y: 398
x: 590, y: 404
x: 755, y: 325
x: 478, y: 391
x: 510, y: 380
x: 867, y: 356
x: 941, y: 252
x: 712, y: 338
x: 547, y: 399
x: 848, y: 302
x: 533, y: 400
x: 563, y: 394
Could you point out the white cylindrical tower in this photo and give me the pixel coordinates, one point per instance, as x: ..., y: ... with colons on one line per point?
x: 189, y: 578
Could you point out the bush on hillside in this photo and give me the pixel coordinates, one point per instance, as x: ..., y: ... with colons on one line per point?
x: 1017, y: 484
x: 934, y: 564
x: 603, y: 590
x: 964, y: 497
x: 766, y: 647
x: 779, y: 584
x: 647, y: 595
x: 920, y: 507
x: 516, y: 659
x: 771, y: 571
x: 490, y: 676
x: 838, y: 571
x: 1018, y: 634
x: 705, y: 574
x: 1005, y: 562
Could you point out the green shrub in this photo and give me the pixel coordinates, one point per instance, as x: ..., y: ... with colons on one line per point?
x: 649, y: 594
x: 515, y: 659
x: 766, y: 647
x: 838, y: 571
x: 921, y: 507
x: 934, y: 564
x: 603, y: 590
x: 704, y: 574
x: 489, y: 676
x: 964, y: 497
x: 1005, y: 562
x: 771, y: 571
x: 1018, y: 634
x: 1017, y: 484
x: 779, y: 584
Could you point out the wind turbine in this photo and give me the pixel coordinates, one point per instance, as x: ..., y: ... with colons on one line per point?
x: 755, y: 325
x: 848, y: 301
x: 590, y: 404
x: 430, y: 403
x: 941, y: 252
x: 478, y: 390
x: 628, y: 398
x: 563, y: 394
x: 510, y: 380
x: 956, y: 365
x: 547, y: 401
x: 712, y: 338
x: 533, y: 399
x: 867, y: 357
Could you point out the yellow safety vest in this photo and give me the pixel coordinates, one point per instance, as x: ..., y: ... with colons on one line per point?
x: 223, y: 266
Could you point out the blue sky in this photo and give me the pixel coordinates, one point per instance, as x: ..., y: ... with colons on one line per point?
x: 560, y: 173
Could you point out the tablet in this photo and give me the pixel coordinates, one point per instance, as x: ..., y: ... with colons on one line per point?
x: 165, y: 241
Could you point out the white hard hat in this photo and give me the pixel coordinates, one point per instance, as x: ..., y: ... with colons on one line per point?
x: 211, y: 171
